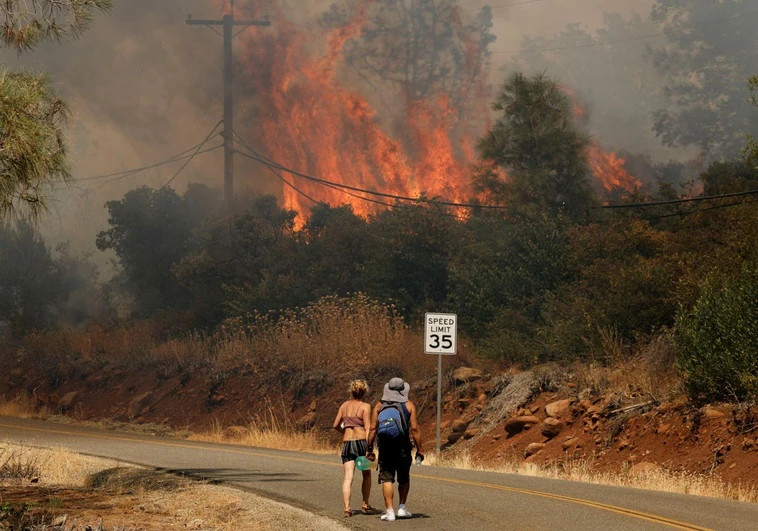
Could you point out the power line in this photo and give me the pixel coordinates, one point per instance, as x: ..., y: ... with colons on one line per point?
x: 179, y: 156
x: 677, y: 201
x: 682, y: 214
x: 256, y: 157
x: 296, y: 173
x: 195, y: 154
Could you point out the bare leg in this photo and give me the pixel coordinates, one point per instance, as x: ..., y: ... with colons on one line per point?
x: 366, y: 487
x: 389, y: 494
x: 347, y: 483
x: 403, y: 489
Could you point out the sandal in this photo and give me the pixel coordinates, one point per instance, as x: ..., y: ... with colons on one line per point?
x: 367, y: 509
x: 348, y: 514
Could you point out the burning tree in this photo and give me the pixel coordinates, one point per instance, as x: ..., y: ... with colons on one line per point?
x: 317, y: 112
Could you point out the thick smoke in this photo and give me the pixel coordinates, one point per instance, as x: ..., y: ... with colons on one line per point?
x: 144, y: 86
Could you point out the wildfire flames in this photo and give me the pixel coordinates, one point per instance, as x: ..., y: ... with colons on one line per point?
x: 311, y: 119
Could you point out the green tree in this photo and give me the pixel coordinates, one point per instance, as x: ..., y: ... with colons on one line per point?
x: 336, y: 249
x: 717, y: 341
x: 709, y: 52
x: 536, y: 143
x: 243, y: 264
x: 150, y: 231
x: 32, y: 117
x: 31, y: 283
x: 410, y: 249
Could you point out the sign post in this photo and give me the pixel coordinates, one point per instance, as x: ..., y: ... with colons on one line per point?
x: 441, y: 338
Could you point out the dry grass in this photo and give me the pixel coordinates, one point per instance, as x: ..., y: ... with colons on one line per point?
x: 650, y: 373
x: 55, y: 466
x: 269, y: 433
x: 355, y: 333
x: 90, y: 491
x: 583, y: 471
x: 23, y: 407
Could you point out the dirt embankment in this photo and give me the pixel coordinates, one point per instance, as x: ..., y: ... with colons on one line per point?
x: 537, y: 417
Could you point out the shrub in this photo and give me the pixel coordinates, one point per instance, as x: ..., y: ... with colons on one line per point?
x: 717, y: 341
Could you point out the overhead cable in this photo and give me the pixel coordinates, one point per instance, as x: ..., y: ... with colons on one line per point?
x: 195, y: 154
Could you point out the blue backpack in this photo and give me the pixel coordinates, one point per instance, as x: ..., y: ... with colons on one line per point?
x: 392, y: 422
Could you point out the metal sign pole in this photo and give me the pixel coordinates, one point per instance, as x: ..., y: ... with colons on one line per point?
x: 439, y: 400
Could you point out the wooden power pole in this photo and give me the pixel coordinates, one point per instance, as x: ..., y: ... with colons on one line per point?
x: 228, y: 22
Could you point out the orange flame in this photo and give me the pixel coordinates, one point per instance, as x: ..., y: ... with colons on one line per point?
x: 607, y: 167
x: 313, y: 123
x: 308, y: 119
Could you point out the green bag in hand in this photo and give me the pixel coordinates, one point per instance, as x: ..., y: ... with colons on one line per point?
x: 361, y: 463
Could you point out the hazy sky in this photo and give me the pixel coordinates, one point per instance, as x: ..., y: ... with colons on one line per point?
x: 144, y: 86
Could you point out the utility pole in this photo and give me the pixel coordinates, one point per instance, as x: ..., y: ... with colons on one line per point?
x: 228, y: 22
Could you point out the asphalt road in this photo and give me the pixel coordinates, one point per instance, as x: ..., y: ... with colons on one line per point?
x: 440, y: 499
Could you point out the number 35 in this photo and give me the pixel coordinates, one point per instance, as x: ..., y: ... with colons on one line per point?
x: 447, y: 341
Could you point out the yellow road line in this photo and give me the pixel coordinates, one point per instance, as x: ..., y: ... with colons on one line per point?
x: 588, y: 503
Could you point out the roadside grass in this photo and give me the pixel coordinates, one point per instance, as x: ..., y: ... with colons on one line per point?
x: 582, y: 470
x: 59, y: 490
x: 291, y: 349
x: 269, y: 432
x: 22, y: 406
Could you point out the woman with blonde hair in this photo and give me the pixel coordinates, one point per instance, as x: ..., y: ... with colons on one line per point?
x: 353, y: 420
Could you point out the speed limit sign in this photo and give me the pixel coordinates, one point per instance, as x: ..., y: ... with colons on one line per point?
x: 441, y: 331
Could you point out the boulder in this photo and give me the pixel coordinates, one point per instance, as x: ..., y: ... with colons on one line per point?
x: 470, y: 434
x: 568, y: 443
x: 559, y: 408
x: 458, y: 426
x: 307, y: 421
x: 533, y: 448
x: 644, y: 467
x: 713, y: 414
x: 518, y: 424
x: 453, y: 437
x: 68, y: 400
x: 139, y: 404
x: 551, y: 427
x: 463, y: 375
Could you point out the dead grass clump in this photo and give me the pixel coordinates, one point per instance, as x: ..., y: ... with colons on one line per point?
x: 583, y: 470
x: 22, y: 406
x: 56, y: 466
x: 268, y: 432
x: 19, y: 464
x: 354, y: 334
x: 130, y: 480
x: 648, y: 374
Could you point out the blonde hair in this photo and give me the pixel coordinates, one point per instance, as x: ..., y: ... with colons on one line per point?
x: 358, y: 388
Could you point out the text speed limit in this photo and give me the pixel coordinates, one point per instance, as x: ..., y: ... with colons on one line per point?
x: 440, y: 333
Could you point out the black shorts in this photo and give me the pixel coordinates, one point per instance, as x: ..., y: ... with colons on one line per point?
x: 395, y: 463
x: 352, y: 450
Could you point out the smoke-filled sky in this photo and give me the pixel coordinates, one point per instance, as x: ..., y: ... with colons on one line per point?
x: 144, y: 86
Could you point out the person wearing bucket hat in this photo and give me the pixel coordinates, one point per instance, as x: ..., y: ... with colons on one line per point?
x: 394, y: 424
